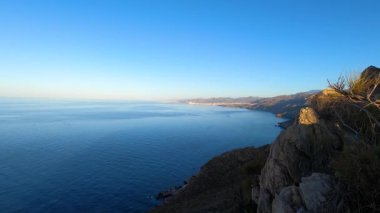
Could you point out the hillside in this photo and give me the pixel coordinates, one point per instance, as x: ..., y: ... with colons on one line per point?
x: 222, y: 185
x: 328, y: 160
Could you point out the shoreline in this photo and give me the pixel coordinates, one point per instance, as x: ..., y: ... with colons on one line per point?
x: 166, y: 195
x: 283, y: 124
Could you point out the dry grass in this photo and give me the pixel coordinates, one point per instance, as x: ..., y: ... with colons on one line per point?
x: 357, y: 168
x: 358, y: 108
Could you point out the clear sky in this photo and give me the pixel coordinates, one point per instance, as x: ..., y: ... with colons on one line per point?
x: 168, y: 49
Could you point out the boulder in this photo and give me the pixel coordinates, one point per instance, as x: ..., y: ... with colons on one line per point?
x: 289, y: 200
x: 315, y: 191
x: 370, y: 72
x: 308, y: 116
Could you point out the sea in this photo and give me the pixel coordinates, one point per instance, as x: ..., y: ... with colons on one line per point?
x: 112, y: 156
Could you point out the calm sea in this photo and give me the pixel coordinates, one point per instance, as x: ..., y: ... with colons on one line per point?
x: 66, y: 156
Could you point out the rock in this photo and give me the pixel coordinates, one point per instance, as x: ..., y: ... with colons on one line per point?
x: 315, y: 191
x: 305, y: 147
x: 255, y: 194
x: 285, y: 124
x: 265, y: 201
x: 289, y: 200
x: 313, y: 195
x: 372, y: 75
x: 302, y: 155
x: 329, y: 92
x: 370, y: 72
x: 308, y: 116
x: 169, y: 193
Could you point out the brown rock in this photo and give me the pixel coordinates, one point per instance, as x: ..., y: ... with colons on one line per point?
x: 308, y: 116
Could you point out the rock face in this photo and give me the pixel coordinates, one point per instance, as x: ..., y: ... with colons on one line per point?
x: 315, y: 190
x: 289, y: 200
x: 311, y: 196
x: 303, y: 150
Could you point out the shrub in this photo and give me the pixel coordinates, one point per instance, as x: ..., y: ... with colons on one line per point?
x: 358, y: 169
x: 358, y: 106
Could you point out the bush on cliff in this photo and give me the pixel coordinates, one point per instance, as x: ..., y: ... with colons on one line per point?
x: 357, y: 108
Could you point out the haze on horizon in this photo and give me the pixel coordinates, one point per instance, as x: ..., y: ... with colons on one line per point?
x: 181, y: 49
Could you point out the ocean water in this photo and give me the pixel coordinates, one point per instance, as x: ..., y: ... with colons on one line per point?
x: 77, y: 156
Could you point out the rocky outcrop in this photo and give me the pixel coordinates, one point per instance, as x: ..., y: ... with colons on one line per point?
x: 316, y: 164
x: 311, y: 167
x: 370, y: 72
x: 308, y: 116
x: 312, y: 195
x: 288, y: 200
x: 303, y: 150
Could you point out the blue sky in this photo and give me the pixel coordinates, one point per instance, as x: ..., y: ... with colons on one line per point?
x: 182, y: 48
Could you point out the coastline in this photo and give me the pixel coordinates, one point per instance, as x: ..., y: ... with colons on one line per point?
x: 168, y: 195
x: 251, y: 106
x: 286, y: 107
x: 312, y: 165
x: 225, y: 182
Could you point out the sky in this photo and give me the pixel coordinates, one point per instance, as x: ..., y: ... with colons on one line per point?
x: 173, y: 49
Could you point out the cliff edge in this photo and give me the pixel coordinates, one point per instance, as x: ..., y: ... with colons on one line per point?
x: 328, y: 159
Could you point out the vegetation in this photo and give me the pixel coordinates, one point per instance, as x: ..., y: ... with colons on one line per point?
x: 358, y: 170
x: 251, y: 171
x: 357, y: 109
x: 223, y: 184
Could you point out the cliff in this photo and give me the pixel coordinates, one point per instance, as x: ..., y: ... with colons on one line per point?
x: 327, y: 160
x: 324, y: 162
x: 299, y: 157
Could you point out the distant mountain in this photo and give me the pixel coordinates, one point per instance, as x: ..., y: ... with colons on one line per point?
x: 283, y: 106
x: 220, y: 100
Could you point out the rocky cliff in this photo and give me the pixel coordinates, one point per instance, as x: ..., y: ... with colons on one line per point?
x: 297, y: 166
x: 327, y: 160
x: 320, y: 163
